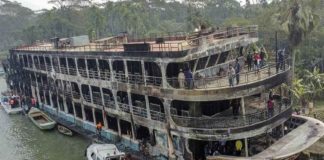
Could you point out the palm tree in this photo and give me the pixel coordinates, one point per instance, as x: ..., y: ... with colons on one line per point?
x: 298, y: 18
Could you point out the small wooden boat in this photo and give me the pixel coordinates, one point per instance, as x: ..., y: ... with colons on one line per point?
x: 64, y: 130
x: 104, y: 152
x: 11, y: 108
x: 40, y: 119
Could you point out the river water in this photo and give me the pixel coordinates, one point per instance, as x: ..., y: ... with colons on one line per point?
x: 20, y: 139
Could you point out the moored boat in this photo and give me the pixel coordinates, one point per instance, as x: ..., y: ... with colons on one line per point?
x: 104, y: 152
x: 64, y: 130
x: 40, y: 119
x: 11, y: 104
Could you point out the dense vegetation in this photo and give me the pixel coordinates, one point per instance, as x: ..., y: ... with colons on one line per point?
x: 297, y: 22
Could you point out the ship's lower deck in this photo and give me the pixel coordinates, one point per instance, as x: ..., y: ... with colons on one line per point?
x: 285, y: 141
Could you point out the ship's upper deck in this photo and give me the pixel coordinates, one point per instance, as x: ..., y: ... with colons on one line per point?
x: 171, y: 43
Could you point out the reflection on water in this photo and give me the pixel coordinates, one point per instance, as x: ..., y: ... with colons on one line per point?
x: 20, y: 139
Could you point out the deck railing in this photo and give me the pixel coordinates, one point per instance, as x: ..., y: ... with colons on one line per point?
x: 181, y: 42
x: 157, y: 116
x: 109, y: 103
x: 228, y: 121
x: 87, y: 98
x: 265, y: 72
x: 139, y: 111
x: 124, y: 107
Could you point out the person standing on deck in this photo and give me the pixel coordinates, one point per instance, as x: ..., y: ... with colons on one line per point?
x: 238, y: 147
x: 181, y: 79
x: 188, y: 77
x: 231, y: 75
x: 262, y: 57
x: 270, y: 106
x: 237, y: 68
x: 249, y: 60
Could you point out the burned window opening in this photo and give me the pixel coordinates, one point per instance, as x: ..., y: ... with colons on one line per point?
x: 71, y: 66
x: 54, y: 101
x: 61, y: 104
x: 25, y: 61
x: 36, y: 62
x: 104, y: 69
x: 92, y: 68
x: 125, y: 128
x: 153, y: 73
x: 112, y: 123
x: 139, y: 105
x: 69, y: 105
x: 119, y: 70
x: 108, y: 98
x: 180, y: 108
x: 78, y: 110
x: 135, y: 74
x: 63, y: 65
x: 82, y: 69
x: 143, y: 133
x: 201, y: 63
x: 212, y: 60
x: 42, y: 63
x: 30, y: 61
x: 48, y: 64
x: 223, y: 57
x: 47, y: 97
x: 99, y: 117
x: 86, y: 93
x: 75, y: 90
x: 96, y: 95
x: 88, y: 114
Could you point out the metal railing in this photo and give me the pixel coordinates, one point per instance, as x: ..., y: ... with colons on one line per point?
x: 87, y: 98
x: 124, y: 107
x: 72, y: 71
x: 96, y: 98
x: 157, y: 116
x: 139, y: 111
x: 83, y: 72
x: 228, y: 121
x: 246, y: 77
x: 185, y: 41
x: 76, y: 95
x: 105, y: 75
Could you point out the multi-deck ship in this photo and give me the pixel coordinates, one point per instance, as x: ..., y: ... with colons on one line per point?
x: 170, y: 92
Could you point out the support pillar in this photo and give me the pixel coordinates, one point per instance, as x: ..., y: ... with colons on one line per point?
x: 118, y: 126
x: 143, y: 72
x: 246, y: 147
x: 147, y: 104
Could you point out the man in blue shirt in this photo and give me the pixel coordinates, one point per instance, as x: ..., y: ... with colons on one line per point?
x: 237, y: 68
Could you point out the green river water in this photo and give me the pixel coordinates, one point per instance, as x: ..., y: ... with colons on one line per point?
x: 20, y: 139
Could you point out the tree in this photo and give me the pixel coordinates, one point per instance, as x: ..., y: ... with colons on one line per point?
x: 298, y: 18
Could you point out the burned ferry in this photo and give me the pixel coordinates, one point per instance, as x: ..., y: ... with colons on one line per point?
x: 173, y: 93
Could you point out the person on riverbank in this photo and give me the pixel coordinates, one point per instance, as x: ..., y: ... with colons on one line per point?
x: 33, y: 102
